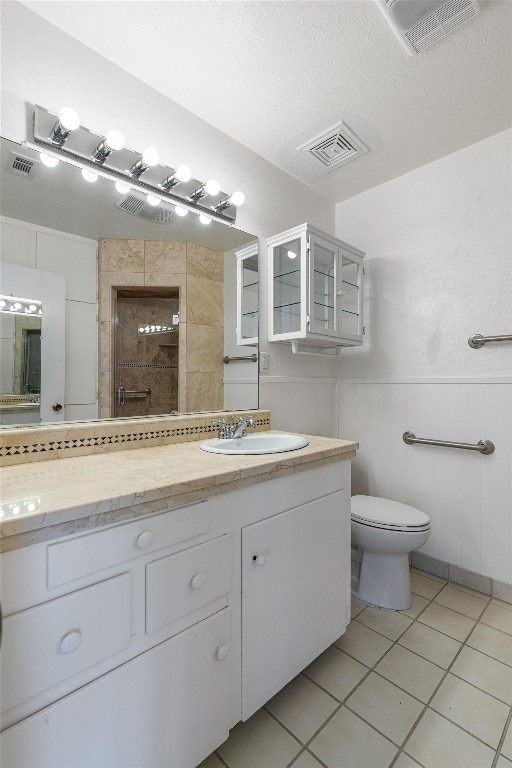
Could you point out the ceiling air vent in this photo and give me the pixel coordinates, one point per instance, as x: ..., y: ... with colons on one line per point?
x: 419, y: 24
x: 19, y: 165
x: 136, y: 205
x: 335, y: 147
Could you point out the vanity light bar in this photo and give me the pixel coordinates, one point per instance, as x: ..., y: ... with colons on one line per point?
x: 151, y: 330
x: 13, y: 305
x: 15, y: 508
x: 109, y: 158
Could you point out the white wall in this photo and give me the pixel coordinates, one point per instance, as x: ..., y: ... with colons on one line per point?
x: 73, y: 258
x: 104, y: 96
x: 439, y: 270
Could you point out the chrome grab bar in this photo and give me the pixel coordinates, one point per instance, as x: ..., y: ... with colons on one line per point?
x: 483, y: 446
x: 477, y: 341
x: 122, y: 394
x: 249, y: 358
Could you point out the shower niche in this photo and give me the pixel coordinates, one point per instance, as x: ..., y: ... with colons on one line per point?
x: 146, y: 351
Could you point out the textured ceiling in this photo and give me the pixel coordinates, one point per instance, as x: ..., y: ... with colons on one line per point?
x: 274, y: 74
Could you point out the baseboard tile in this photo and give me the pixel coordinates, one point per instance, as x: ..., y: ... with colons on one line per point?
x: 498, y: 589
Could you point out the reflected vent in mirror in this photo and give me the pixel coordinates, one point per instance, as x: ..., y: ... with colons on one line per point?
x: 19, y: 165
x: 138, y: 206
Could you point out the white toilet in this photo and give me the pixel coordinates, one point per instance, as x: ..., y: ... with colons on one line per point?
x: 384, y: 532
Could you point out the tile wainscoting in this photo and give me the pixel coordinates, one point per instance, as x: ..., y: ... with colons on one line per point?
x: 467, y: 495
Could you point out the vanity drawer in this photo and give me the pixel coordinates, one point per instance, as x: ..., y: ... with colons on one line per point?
x: 53, y: 641
x: 180, y: 584
x: 72, y: 559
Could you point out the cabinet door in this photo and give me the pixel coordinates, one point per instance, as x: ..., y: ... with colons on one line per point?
x: 351, y: 299
x: 167, y: 708
x: 247, y: 282
x: 287, y: 288
x: 323, y: 297
x: 295, y: 572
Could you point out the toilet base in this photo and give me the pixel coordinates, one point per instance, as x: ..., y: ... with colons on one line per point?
x: 384, y: 581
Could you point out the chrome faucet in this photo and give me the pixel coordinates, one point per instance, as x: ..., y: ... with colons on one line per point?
x: 239, y: 430
x: 235, y: 431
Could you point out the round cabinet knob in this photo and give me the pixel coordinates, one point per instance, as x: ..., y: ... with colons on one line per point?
x: 144, y: 539
x: 222, y: 652
x: 197, y: 581
x: 259, y: 560
x: 56, y: 407
x: 71, y: 641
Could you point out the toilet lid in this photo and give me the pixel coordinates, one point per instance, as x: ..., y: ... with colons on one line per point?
x: 385, y: 513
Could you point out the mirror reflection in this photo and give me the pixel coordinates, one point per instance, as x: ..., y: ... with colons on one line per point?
x: 126, y: 269
x: 20, y: 353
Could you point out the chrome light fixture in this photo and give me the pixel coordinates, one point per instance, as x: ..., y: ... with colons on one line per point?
x: 182, y: 173
x: 211, y: 187
x: 113, y: 141
x: 148, y: 160
x: 14, y: 305
x: 237, y: 198
x: 98, y: 155
x: 68, y: 121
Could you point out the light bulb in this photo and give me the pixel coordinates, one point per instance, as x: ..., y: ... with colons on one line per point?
x: 69, y: 119
x: 89, y: 175
x: 115, y: 139
x: 122, y: 188
x: 16, y: 305
x: 152, y: 200
x: 204, y: 219
x: 32, y: 308
x: 291, y: 254
x: 150, y: 156
x: 2, y: 303
x: 181, y: 211
x: 212, y: 187
x: 237, y: 198
x: 183, y: 173
x: 48, y: 160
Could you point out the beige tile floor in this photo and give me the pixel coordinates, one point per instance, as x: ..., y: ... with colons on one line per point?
x: 429, y: 687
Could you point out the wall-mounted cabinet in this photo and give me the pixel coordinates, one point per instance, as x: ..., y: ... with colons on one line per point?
x: 315, y: 290
x: 247, y: 296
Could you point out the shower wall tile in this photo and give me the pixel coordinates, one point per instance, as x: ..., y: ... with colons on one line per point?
x: 467, y: 495
x: 204, y: 262
x: 121, y: 256
x: 205, y: 348
x: 205, y: 390
x: 205, y: 301
x: 165, y: 256
x: 198, y: 272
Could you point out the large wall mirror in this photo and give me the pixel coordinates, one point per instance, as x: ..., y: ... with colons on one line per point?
x: 152, y: 301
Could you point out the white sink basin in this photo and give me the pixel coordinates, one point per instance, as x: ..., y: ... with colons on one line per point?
x: 261, y: 442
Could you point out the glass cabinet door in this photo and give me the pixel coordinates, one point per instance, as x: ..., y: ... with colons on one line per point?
x: 288, y: 288
x: 323, y: 279
x: 351, y: 318
x: 248, y: 303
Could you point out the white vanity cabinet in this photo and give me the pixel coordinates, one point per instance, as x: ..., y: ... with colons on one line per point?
x: 139, y: 645
x: 315, y: 290
x: 293, y: 600
x: 125, y: 658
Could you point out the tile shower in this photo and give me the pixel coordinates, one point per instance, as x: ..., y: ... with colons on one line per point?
x: 146, y: 352
x: 165, y: 269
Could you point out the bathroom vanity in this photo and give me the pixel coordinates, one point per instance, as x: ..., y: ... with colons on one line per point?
x: 143, y: 622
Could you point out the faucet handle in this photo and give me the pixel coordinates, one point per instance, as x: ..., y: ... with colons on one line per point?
x: 223, y: 428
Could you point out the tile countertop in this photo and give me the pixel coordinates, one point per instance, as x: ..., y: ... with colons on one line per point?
x: 42, y: 501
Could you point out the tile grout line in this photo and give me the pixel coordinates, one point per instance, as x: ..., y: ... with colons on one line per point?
x: 508, y: 724
x: 304, y: 746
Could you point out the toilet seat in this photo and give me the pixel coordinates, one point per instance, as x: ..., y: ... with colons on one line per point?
x: 390, y: 515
